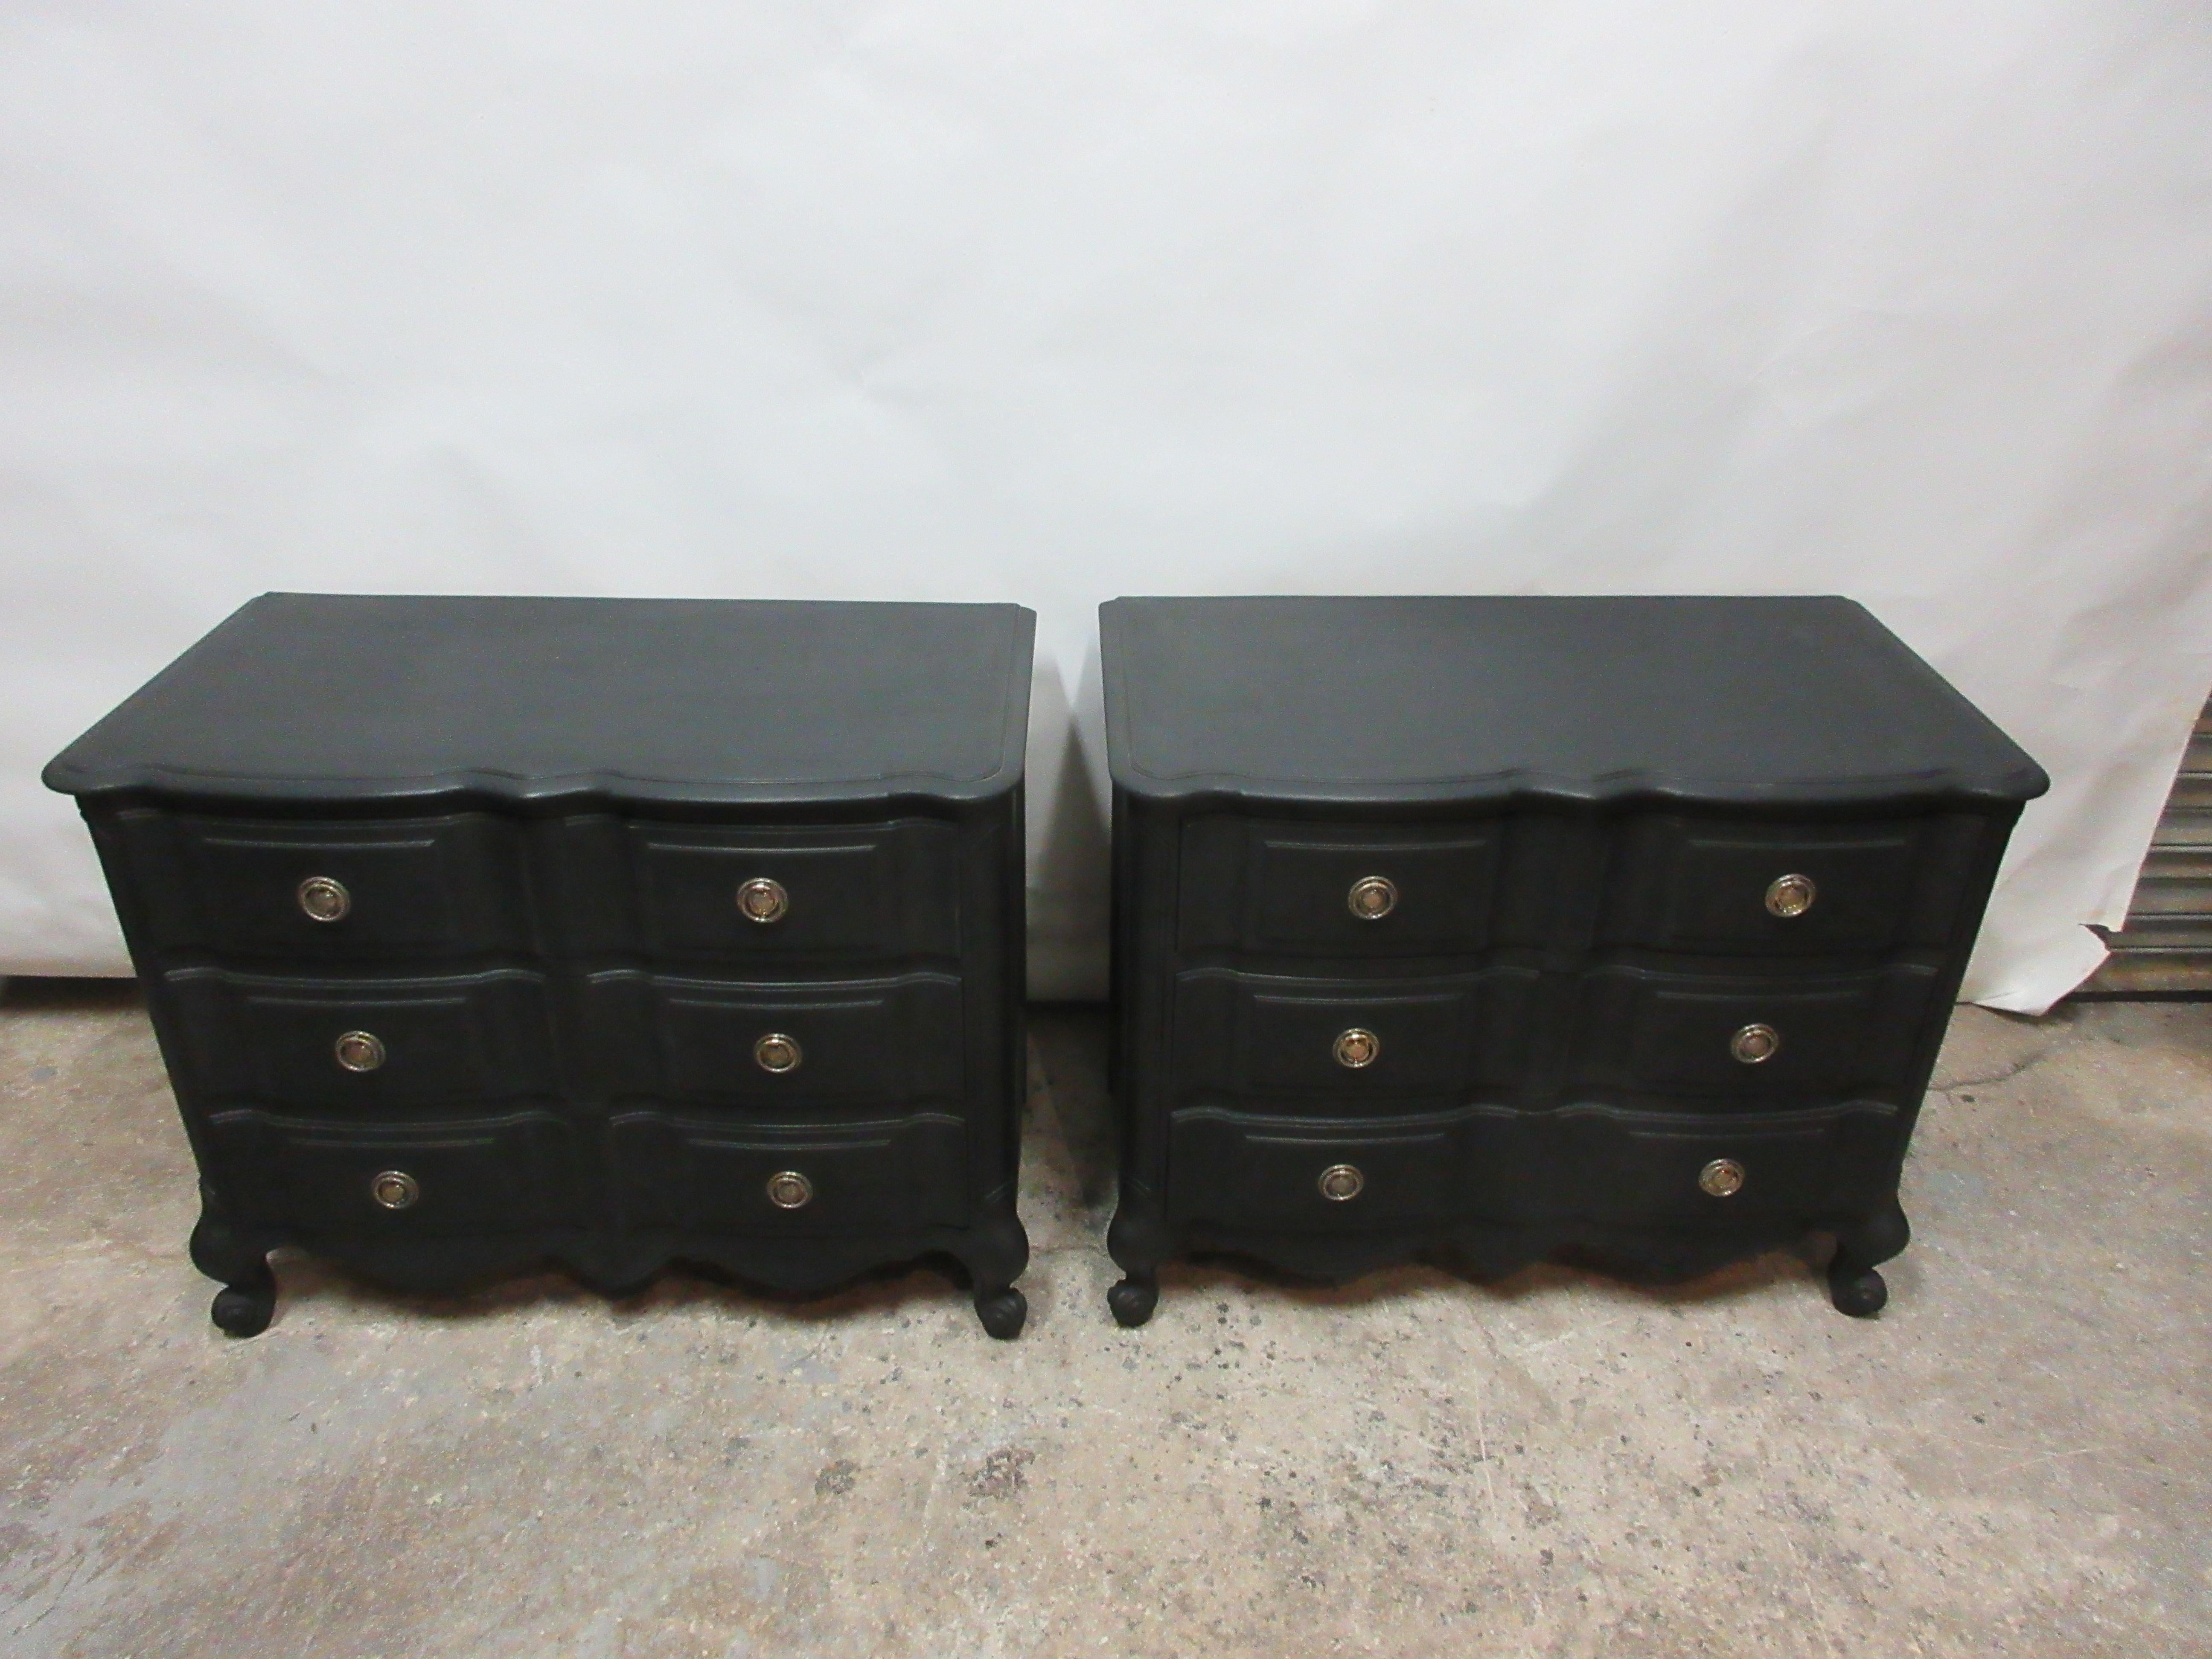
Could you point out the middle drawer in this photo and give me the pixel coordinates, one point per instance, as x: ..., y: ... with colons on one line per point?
x: 1750, y: 1036
x: 861, y: 1042
x: 1345, y: 1042
x: 369, y: 1046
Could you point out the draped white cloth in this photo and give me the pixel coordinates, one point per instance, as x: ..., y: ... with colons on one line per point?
x: 972, y: 298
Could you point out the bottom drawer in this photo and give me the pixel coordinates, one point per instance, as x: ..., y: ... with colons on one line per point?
x: 854, y: 1177
x: 1486, y: 1164
x: 1303, y: 1175
x: 473, y: 1176
x: 1614, y: 1166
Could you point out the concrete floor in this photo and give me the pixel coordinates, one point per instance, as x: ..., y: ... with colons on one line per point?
x: 2015, y: 1458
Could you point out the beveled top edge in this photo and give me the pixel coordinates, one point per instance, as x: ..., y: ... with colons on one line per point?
x: 2005, y: 775
x: 82, y: 771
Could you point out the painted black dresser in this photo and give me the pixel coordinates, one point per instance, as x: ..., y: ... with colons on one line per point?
x: 480, y: 933
x: 1620, y: 929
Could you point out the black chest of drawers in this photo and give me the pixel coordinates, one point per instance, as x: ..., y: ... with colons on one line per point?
x: 1625, y: 929
x: 478, y: 932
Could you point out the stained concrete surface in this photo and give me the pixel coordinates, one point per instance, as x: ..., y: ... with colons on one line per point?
x: 2014, y: 1459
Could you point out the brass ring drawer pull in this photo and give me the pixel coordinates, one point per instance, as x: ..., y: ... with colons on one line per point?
x: 1755, y: 1044
x: 394, y: 1189
x: 1340, y: 1183
x: 359, y: 1051
x: 777, y: 1052
x: 1722, y: 1177
x: 1357, y: 1048
x: 1372, y: 898
x: 324, y: 898
x: 763, y: 901
x: 787, y: 1189
x: 1791, y: 895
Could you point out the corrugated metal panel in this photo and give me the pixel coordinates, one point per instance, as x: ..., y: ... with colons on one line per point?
x: 2166, y: 948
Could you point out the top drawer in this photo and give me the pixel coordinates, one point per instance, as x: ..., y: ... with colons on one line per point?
x: 329, y: 891
x: 737, y: 894
x: 1788, y: 888
x: 1338, y: 889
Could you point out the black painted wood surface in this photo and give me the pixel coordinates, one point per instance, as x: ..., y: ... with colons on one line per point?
x: 541, y: 811
x: 1582, y: 804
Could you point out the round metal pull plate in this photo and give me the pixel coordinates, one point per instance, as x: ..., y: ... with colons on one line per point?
x: 1722, y: 1177
x: 763, y: 901
x: 359, y: 1051
x: 1356, y: 1048
x: 776, y: 1052
x: 324, y: 899
x: 1791, y: 895
x: 787, y: 1189
x: 1340, y: 1183
x: 1755, y: 1044
x: 1372, y: 898
x: 394, y: 1189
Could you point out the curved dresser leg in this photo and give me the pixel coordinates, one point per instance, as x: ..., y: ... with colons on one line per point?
x: 247, y: 1301
x: 1853, y: 1285
x: 1139, y: 1241
x: 997, y: 1251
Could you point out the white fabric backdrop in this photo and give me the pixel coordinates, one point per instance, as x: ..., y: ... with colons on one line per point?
x: 995, y: 299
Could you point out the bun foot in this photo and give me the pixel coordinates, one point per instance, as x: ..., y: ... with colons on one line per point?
x: 1853, y: 1285
x: 1003, y: 1313
x: 1133, y: 1300
x: 238, y: 1311
x: 1858, y: 1291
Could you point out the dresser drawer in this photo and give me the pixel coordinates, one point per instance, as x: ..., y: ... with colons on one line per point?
x: 369, y: 1046
x: 324, y: 891
x: 1236, y: 1170
x: 1631, y: 1167
x: 1344, y: 1042
x: 763, y: 894
x: 786, y: 1182
x: 1780, y: 889
x: 1338, y: 889
x: 1636, y: 1030
x: 473, y: 1176
x: 768, y: 1047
